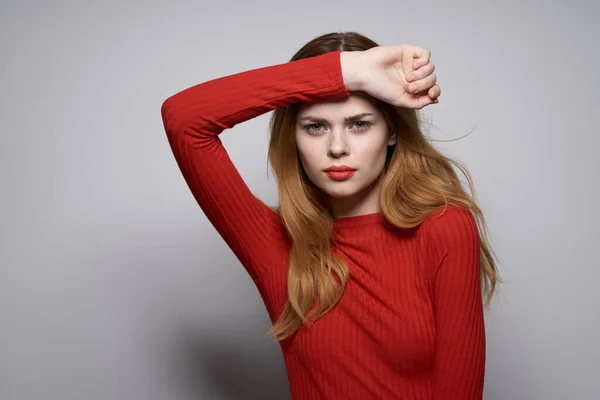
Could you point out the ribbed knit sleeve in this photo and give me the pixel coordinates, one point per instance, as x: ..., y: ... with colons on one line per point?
x: 193, y: 119
x: 459, y: 370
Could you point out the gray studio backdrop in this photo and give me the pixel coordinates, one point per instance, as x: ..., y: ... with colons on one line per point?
x: 113, y: 285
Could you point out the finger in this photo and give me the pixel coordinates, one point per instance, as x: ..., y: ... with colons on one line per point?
x: 418, y: 101
x: 422, y: 85
x: 421, y: 72
x: 426, y: 100
x: 423, y: 57
x: 434, y: 92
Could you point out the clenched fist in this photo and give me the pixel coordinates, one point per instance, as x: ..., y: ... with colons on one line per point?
x: 401, y: 75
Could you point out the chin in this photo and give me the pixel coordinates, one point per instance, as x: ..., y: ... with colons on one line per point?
x: 340, y: 190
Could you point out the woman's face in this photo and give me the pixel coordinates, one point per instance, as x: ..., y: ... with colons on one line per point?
x: 349, y: 132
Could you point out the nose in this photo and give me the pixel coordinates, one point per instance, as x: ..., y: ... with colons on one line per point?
x: 337, y: 146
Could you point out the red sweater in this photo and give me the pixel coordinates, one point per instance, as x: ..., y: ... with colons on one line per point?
x: 410, y: 324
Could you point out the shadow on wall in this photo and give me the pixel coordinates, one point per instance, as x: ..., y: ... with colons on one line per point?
x: 231, y: 367
x: 189, y: 344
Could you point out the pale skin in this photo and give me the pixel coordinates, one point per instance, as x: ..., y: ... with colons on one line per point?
x: 326, y: 137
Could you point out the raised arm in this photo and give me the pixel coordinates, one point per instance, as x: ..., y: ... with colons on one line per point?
x: 453, y: 244
x: 193, y: 119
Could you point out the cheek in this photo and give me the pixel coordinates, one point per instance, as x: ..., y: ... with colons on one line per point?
x: 309, y: 155
x: 372, y: 154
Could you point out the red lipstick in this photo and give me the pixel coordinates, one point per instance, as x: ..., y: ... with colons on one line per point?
x: 340, y: 172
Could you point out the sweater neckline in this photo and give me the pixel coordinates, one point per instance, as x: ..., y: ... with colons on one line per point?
x: 358, y: 220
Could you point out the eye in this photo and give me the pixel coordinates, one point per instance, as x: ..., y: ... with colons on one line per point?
x: 312, y: 128
x: 362, y: 125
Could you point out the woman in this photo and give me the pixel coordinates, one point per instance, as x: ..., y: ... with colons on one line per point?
x: 372, y: 266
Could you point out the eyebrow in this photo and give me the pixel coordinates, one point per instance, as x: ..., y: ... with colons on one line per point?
x: 323, y: 120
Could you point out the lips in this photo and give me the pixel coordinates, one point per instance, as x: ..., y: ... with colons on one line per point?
x: 339, y: 168
x: 340, y: 172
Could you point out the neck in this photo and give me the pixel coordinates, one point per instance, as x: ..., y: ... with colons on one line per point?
x: 364, y: 202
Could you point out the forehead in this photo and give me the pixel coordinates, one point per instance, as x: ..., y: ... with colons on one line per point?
x: 356, y: 103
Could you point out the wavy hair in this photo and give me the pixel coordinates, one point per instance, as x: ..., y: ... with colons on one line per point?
x: 418, y: 180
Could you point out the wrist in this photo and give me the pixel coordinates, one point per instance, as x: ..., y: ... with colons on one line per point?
x: 352, y: 70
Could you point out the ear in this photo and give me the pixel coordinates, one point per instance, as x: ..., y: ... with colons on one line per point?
x: 392, y: 139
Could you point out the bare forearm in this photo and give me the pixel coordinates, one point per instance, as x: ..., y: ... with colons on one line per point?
x: 353, y: 71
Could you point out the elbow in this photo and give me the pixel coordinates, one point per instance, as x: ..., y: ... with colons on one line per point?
x: 181, y: 116
x: 170, y: 123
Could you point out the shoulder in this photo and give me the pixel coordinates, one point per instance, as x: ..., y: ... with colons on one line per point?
x: 451, y: 221
x: 451, y: 229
